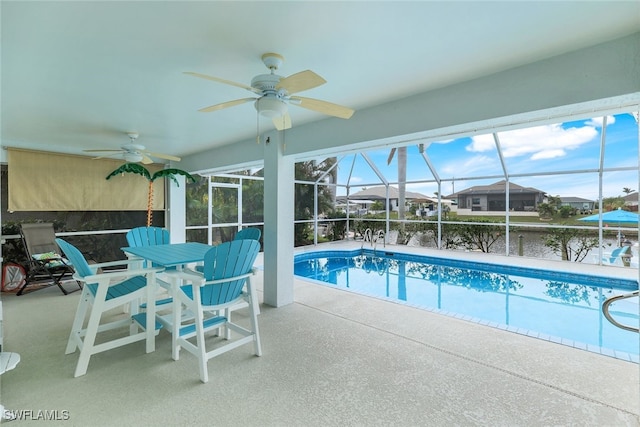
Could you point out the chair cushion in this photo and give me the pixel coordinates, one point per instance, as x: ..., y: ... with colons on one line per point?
x: 52, y: 259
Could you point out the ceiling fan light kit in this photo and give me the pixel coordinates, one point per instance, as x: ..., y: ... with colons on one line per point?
x: 271, y: 107
x: 133, y: 157
x: 274, y: 93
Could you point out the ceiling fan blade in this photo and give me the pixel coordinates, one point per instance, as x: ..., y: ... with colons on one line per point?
x: 298, y: 82
x: 283, y: 122
x: 227, y: 82
x: 114, y: 154
x: 162, y: 156
x: 146, y: 160
x: 226, y: 105
x: 103, y: 151
x: 323, y: 107
x: 391, y: 154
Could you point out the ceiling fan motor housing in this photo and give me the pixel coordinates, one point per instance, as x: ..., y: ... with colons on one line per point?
x: 132, y: 147
x: 266, y: 82
x: 271, y: 103
x: 133, y: 157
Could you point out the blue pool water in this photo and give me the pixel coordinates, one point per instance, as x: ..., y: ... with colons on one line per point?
x: 556, y: 306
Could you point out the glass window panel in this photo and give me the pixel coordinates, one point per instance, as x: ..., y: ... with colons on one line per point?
x: 224, y: 205
x: 199, y: 235
x: 197, y: 202
x: 223, y: 234
x: 252, y: 201
x: 304, y: 201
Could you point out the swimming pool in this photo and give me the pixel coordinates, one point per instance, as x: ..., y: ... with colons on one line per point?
x: 556, y: 306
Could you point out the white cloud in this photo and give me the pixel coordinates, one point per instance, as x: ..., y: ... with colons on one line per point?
x: 549, y: 154
x: 478, y: 164
x: 541, y: 142
x: 597, y: 121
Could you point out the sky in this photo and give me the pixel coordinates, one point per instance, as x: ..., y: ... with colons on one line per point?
x: 561, y: 147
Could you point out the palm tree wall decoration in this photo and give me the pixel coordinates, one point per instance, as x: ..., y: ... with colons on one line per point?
x: 141, y: 170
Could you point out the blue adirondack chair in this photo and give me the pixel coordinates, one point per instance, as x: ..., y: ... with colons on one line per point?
x: 149, y: 236
x: 248, y: 233
x: 102, y: 292
x: 211, y: 296
x: 616, y: 257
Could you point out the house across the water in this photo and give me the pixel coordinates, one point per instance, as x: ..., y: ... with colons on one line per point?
x: 491, y: 198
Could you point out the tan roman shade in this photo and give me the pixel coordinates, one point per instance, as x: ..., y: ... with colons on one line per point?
x: 41, y: 181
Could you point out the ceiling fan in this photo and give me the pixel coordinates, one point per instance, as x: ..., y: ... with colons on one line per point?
x: 275, y: 93
x: 133, y: 153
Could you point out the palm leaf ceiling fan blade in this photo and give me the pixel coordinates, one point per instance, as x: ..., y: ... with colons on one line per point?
x: 227, y: 82
x: 283, y: 122
x: 323, y: 107
x: 227, y: 104
x: 304, y: 80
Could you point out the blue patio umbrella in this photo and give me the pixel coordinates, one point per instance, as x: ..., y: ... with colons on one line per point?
x: 617, y: 216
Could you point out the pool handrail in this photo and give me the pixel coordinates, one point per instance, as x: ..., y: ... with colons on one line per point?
x: 609, y: 317
x: 369, y: 236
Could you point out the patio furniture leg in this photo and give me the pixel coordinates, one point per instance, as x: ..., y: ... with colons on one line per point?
x: 78, y: 321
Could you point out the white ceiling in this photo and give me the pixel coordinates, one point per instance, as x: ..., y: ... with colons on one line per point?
x: 78, y: 75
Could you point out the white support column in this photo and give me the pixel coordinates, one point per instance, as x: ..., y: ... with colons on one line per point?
x: 176, y: 215
x: 278, y: 223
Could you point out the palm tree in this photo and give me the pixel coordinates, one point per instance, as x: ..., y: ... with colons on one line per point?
x: 402, y: 179
x: 627, y: 190
x: 141, y: 170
